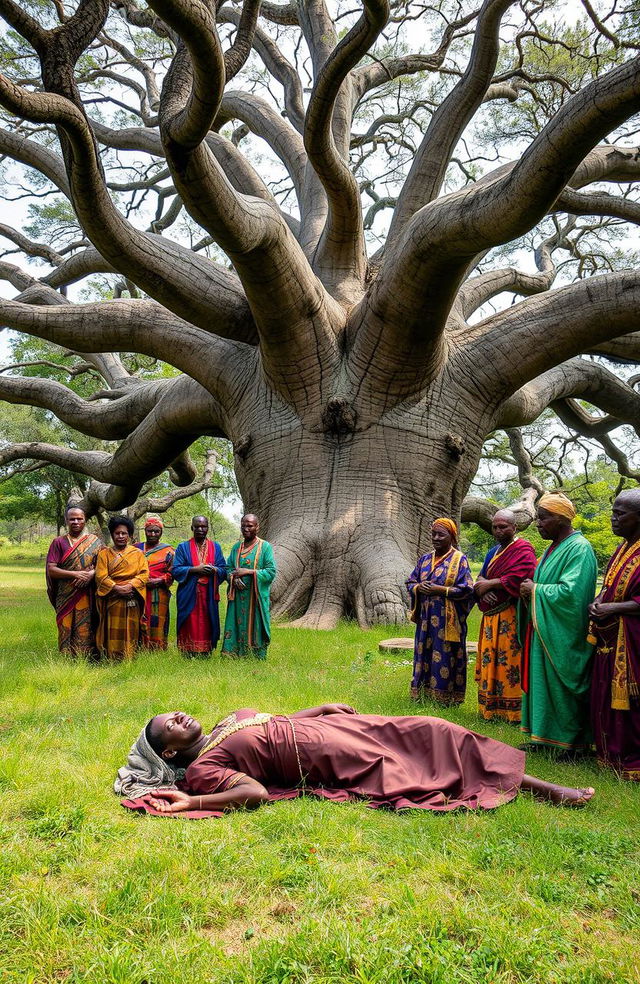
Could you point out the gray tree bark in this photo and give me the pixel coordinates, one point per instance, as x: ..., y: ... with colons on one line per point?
x: 357, y: 393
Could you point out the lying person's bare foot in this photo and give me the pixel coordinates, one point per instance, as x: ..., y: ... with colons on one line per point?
x: 559, y: 795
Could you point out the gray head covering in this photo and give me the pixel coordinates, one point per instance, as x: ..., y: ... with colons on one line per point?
x: 145, y: 771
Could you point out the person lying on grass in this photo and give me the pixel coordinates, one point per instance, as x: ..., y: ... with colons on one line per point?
x: 331, y: 751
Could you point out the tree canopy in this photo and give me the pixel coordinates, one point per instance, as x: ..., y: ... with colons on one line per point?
x: 366, y: 236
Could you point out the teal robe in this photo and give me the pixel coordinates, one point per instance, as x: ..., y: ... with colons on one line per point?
x: 247, y: 627
x: 557, y: 661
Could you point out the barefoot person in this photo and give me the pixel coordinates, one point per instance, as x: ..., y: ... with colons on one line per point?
x: 557, y: 655
x: 70, y: 566
x: 498, y: 665
x: 615, y: 630
x: 252, y: 568
x: 441, y: 595
x: 155, y: 627
x: 199, y: 569
x: 329, y: 751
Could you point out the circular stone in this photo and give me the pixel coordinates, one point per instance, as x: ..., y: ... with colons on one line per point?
x: 404, y: 644
x: 398, y: 645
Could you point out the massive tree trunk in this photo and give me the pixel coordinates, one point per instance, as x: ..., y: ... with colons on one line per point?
x: 357, y: 392
x: 348, y: 504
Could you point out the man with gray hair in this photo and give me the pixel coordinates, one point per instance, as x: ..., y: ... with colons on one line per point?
x: 498, y: 664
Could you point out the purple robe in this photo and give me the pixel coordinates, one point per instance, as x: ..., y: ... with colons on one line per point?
x: 440, y: 652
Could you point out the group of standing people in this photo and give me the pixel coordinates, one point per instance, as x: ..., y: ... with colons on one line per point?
x: 563, y: 665
x: 109, y: 600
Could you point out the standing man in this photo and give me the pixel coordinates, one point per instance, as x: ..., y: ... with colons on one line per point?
x: 615, y: 627
x: 252, y: 568
x: 71, y: 568
x: 199, y: 568
x: 498, y: 665
x: 557, y: 655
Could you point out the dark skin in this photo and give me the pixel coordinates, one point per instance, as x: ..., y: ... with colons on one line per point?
x: 442, y: 540
x: 121, y: 538
x: 551, y: 526
x: 503, y: 527
x: 152, y: 536
x: 625, y: 522
x: 183, y: 736
x: 200, y: 530
x: 75, y: 520
x: 249, y: 527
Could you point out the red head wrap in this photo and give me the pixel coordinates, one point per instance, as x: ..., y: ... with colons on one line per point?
x: 153, y: 521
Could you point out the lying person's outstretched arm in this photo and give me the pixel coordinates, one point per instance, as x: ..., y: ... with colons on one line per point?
x: 248, y: 793
x: 314, y: 712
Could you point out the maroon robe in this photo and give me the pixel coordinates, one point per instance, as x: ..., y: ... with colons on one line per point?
x: 396, y: 762
x: 513, y: 565
x: 616, y: 671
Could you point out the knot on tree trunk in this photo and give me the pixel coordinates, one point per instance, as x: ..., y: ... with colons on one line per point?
x: 241, y: 446
x: 455, y: 445
x: 339, y: 417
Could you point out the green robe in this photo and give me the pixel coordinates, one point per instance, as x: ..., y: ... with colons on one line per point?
x: 247, y: 627
x: 555, y: 708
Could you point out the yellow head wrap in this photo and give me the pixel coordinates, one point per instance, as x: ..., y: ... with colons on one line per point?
x: 449, y: 526
x: 557, y: 502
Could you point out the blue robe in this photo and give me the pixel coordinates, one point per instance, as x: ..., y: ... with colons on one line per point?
x: 187, y: 585
x: 440, y: 654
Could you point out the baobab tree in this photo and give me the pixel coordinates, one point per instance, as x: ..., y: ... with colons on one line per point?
x: 356, y: 385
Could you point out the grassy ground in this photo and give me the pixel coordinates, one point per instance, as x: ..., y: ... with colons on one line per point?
x: 296, y: 892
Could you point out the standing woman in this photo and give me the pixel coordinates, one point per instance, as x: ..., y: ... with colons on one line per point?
x: 155, y: 626
x: 71, y: 562
x: 121, y: 575
x: 441, y: 592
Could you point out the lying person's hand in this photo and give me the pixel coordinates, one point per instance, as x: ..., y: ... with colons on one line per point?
x: 169, y: 801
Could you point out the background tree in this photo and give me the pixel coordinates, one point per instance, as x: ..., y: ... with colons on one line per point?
x: 358, y: 383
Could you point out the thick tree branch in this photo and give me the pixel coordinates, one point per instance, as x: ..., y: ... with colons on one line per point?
x: 420, y: 277
x: 201, y: 73
x: 276, y: 64
x: 160, y: 504
x: 481, y: 511
x: 577, y: 378
x: 577, y: 203
x: 430, y: 164
x: 478, y: 290
x: 192, y: 286
x: 110, y: 421
x: 138, y: 326
x: 236, y: 56
x: 340, y: 258
x: 161, y: 437
x: 263, y: 120
x: 33, y: 155
x: 28, y: 246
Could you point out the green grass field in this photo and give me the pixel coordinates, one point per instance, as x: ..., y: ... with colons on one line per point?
x: 295, y: 892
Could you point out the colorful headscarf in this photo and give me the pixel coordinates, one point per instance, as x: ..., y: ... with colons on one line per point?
x: 153, y: 521
x: 449, y: 526
x: 557, y: 502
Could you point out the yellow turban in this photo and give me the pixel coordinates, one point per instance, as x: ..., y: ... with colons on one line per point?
x: 557, y: 502
x: 449, y: 526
